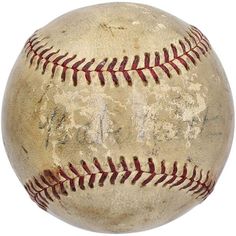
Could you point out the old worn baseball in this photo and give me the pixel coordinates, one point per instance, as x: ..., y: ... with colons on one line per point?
x: 118, y: 117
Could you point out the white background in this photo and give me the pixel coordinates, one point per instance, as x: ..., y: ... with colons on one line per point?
x: 19, y: 19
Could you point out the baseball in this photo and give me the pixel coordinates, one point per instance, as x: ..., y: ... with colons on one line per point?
x: 118, y: 117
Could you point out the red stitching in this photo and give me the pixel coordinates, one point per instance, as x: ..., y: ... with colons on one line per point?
x: 49, y: 186
x: 193, y: 47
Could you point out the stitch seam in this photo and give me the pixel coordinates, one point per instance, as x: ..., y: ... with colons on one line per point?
x: 39, y: 188
x: 193, y: 47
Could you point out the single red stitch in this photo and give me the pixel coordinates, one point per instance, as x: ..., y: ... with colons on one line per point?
x: 149, y: 179
x: 57, y: 59
x: 86, y: 67
x: 135, y: 62
x: 127, y: 77
x: 157, y: 59
x: 101, y: 78
x: 74, y: 170
x: 174, y: 50
x: 101, y: 65
x: 113, y: 170
x: 72, y: 185
x: 91, y: 180
x: 85, y: 167
x: 103, y: 178
x: 123, y: 63
x: 166, y: 55
x: 88, y: 77
x: 137, y: 164
x: 39, y: 47
x: 125, y: 177
x: 111, y: 165
x: 123, y: 163
x: 164, y: 176
x: 154, y: 75
x: 112, y: 65
x: 151, y: 165
x: 63, y: 174
x: 146, y: 60
x: 182, y: 46
x: 163, y: 167
x: 114, y: 78
x: 75, y: 78
x: 98, y: 165
x: 177, y: 69
x: 142, y: 76
x: 197, y: 54
x: 32, y: 59
x: 166, y: 70
x: 81, y: 182
x: 44, y: 51
x: 184, y: 63
x: 77, y: 64
x: 137, y: 177
x: 64, y: 65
